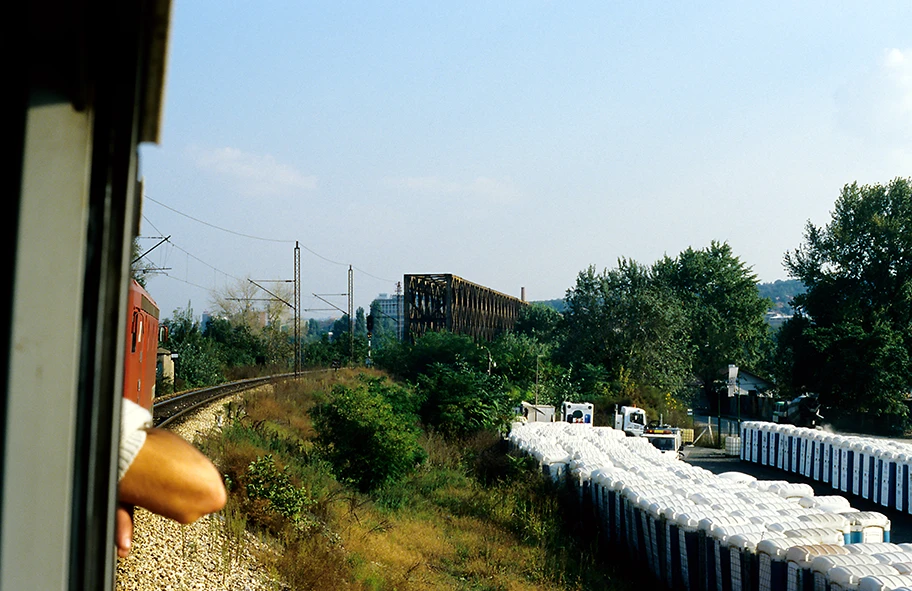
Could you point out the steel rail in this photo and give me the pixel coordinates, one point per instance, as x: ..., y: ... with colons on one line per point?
x: 169, y: 409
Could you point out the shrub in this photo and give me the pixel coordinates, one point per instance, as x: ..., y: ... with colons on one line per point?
x: 459, y: 401
x: 266, y: 481
x: 363, y: 439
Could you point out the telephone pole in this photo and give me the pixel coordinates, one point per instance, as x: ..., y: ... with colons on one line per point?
x: 297, y: 309
x: 351, y: 316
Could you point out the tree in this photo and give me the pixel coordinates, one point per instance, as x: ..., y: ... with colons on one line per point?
x: 518, y: 358
x: 364, y: 439
x: 385, y: 327
x: 237, y: 303
x: 360, y: 322
x: 854, y: 323
x: 139, y: 266
x: 238, y: 344
x: 408, y: 361
x: 626, y: 322
x: 198, y: 360
x: 539, y: 321
x: 724, y: 310
x: 459, y: 400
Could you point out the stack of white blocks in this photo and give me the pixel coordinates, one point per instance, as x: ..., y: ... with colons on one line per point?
x: 695, y: 530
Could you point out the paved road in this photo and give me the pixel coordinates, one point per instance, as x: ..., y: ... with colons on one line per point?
x: 717, y: 462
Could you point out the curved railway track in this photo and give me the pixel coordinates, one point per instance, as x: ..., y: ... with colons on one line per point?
x: 166, y: 410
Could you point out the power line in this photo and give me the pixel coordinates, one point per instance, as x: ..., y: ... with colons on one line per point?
x: 205, y: 223
x: 199, y: 260
x: 191, y: 255
x: 241, y: 234
x: 363, y: 272
x: 169, y: 276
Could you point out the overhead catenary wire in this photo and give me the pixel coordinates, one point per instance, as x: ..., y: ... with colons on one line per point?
x: 193, y: 256
x: 216, y: 227
x: 260, y: 238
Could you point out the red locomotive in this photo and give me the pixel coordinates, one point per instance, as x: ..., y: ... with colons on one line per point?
x: 142, y: 346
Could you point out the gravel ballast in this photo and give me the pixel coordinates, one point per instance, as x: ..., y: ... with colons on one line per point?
x: 169, y: 556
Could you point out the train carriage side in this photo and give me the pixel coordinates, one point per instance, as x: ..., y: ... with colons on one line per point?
x: 141, y: 346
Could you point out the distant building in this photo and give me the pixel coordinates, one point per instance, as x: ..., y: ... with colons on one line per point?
x: 391, y: 309
x: 777, y: 319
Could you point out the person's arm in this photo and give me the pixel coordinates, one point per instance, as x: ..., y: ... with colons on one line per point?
x: 172, y: 478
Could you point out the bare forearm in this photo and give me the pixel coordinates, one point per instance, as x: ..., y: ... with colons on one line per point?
x: 172, y: 478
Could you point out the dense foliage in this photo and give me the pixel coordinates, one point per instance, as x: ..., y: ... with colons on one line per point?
x: 366, y: 441
x: 628, y: 323
x: 659, y: 336
x: 723, y: 308
x: 851, y: 340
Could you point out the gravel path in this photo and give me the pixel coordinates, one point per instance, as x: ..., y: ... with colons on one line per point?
x: 169, y: 556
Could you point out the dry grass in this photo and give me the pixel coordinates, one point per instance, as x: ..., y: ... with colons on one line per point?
x: 470, y: 518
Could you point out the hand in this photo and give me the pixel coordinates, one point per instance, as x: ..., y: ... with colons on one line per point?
x: 171, y: 478
x: 123, y: 529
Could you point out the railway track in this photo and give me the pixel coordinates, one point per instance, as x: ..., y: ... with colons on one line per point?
x: 166, y: 410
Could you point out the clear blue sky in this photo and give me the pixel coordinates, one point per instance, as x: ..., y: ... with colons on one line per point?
x: 511, y: 143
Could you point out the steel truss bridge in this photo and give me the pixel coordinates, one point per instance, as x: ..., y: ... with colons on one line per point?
x: 441, y: 302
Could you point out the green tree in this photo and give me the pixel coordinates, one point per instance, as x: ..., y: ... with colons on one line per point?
x: 852, y: 336
x: 723, y: 308
x: 238, y: 344
x: 199, y: 362
x: 364, y: 440
x: 519, y: 358
x: 139, y: 266
x: 385, y: 327
x: 360, y: 323
x: 625, y: 321
x: 408, y: 361
x: 460, y: 400
x: 540, y: 321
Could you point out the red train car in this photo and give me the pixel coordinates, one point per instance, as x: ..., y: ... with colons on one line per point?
x: 142, y: 346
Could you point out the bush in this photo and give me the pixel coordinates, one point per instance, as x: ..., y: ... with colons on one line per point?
x: 407, y: 362
x: 266, y: 481
x: 459, y: 401
x: 364, y: 440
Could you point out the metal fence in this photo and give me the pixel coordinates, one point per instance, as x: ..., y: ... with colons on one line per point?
x: 708, y: 428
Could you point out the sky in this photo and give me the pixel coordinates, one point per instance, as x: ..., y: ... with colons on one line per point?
x: 513, y: 144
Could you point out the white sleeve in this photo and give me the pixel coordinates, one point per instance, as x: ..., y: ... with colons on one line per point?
x: 134, y: 420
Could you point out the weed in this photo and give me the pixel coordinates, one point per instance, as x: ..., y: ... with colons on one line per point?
x: 471, y: 517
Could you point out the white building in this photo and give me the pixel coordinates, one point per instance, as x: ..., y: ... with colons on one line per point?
x: 391, y: 309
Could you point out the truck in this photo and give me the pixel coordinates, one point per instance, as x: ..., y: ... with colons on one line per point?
x: 801, y: 411
x: 630, y: 419
x: 667, y: 439
x: 577, y: 412
x: 535, y: 413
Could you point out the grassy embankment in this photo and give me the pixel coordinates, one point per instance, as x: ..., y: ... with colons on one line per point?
x: 471, y: 517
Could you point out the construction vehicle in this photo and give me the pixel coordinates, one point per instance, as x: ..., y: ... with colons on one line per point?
x: 630, y: 419
x: 801, y: 411
x: 577, y: 412
x: 667, y: 439
x: 535, y: 413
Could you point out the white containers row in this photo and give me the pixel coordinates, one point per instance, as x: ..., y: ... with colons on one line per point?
x: 694, y: 530
x: 874, y: 469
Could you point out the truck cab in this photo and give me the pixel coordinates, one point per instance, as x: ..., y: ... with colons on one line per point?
x: 631, y: 420
x: 667, y: 439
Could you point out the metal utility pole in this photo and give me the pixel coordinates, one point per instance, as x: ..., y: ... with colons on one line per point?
x: 298, y: 362
x: 351, y: 316
x: 399, y: 311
